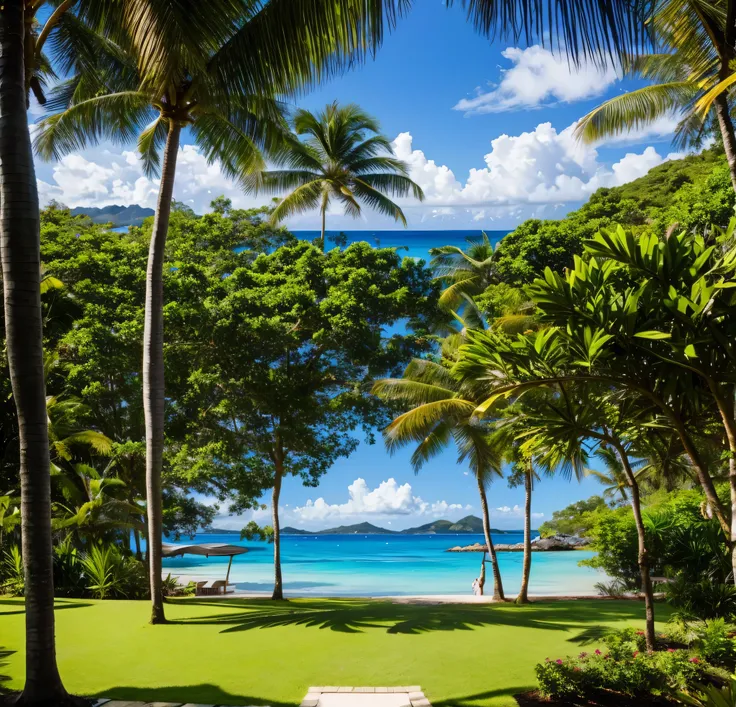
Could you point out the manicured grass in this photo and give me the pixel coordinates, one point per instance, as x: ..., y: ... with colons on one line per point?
x: 245, y: 652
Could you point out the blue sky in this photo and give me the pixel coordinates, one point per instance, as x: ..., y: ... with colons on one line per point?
x: 505, y: 157
x: 486, y: 129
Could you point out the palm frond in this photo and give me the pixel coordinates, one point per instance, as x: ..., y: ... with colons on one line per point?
x: 150, y: 143
x: 378, y: 201
x: 118, y: 117
x: 634, y: 110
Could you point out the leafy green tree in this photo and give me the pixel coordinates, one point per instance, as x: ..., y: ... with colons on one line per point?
x: 523, y: 254
x: 576, y: 519
x: 345, y: 159
x: 281, y: 355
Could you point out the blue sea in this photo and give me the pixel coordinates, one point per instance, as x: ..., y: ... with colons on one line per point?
x: 415, y: 244
x: 382, y: 565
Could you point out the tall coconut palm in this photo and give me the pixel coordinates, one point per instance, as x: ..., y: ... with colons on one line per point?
x: 442, y: 411
x: 21, y: 270
x: 178, y: 68
x: 344, y: 159
x: 692, y: 73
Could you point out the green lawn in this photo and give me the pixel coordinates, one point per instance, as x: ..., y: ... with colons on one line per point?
x: 245, y: 652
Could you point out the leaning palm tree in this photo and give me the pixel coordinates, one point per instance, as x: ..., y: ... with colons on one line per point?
x: 178, y: 69
x: 344, y: 159
x: 692, y: 73
x: 442, y: 411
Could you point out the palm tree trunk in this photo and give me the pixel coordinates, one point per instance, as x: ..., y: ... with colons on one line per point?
x: 727, y: 134
x: 324, y: 223
x: 497, y: 583
x: 526, y: 569
x: 726, y: 410
x: 153, y: 369
x: 278, y: 586
x: 20, y: 250
x: 646, y: 580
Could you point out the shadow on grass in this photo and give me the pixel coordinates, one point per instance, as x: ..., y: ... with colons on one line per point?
x: 4, y: 654
x: 473, y: 700
x: 355, y: 616
x: 18, y: 605
x: 197, y: 694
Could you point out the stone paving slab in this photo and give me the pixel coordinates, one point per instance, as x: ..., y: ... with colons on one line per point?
x: 402, y: 696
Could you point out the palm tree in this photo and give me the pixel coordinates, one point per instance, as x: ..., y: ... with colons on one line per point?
x: 214, y: 69
x: 345, y: 159
x: 692, y: 72
x: 466, y: 271
x: 614, y: 477
x: 21, y: 270
x: 441, y: 412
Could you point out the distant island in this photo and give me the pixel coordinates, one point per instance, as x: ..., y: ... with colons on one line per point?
x: 116, y: 215
x: 470, y: 525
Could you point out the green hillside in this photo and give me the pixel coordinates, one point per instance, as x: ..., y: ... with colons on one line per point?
x: 693, y: 192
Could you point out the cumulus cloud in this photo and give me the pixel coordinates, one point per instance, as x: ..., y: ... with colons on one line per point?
x: 537, y: 78
x: 541, y: 166
x: 515, y: 512
x: 389, y: 498
x: 103, y: 176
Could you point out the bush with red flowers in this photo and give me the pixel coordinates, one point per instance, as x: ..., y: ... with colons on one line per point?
x: 624, y: 666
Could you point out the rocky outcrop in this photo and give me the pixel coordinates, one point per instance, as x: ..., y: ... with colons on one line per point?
x: 554, y: 544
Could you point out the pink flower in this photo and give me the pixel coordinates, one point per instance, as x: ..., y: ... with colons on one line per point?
x: 559, y: 661
x: 640, y: 633
x: 635, y: 653
x: 671, y: 650
x: 694, y: 660
x: 597, y: 652
x: 583, y: 655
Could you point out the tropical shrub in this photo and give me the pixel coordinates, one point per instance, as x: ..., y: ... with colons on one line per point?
x: 710, y: 695
x: 624, y: 667
x: 704, y: 599
x: 12, y: 579
x: 111, y: 575
x: 69, y: 576
x: 715, y: 642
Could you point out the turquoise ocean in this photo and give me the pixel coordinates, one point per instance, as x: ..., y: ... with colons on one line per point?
x: 386, y: 565
x: 382, y: 565
x: 415, y: 244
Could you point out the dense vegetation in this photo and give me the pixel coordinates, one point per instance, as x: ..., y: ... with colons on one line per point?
x: 694, y: 192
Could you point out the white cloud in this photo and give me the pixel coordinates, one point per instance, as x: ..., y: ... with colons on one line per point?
x: 387, y: 499
x: 541, y: 166
x: 515, y: 512
x: 104, y: 176
x: 537, y: 77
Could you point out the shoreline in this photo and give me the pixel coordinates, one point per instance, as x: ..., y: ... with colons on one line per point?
x: 402, y: 598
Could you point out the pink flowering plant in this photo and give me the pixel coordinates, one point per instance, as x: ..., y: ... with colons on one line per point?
x: 622, y: 666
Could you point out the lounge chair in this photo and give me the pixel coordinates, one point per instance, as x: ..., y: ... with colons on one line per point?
x: 202, y: 590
